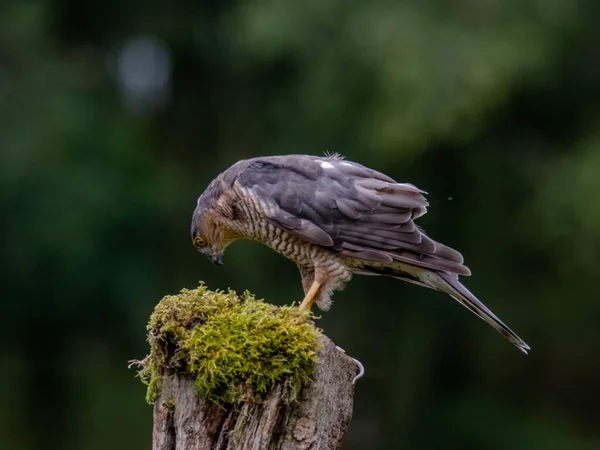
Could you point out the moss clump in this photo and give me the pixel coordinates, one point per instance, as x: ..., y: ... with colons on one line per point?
x: 236, y: 348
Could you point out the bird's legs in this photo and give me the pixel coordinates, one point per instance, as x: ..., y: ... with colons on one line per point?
x: 319, y: 281
x: 309, y: 285
x: 309, y: 298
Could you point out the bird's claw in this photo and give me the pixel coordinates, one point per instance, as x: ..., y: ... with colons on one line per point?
x: 361, y: 368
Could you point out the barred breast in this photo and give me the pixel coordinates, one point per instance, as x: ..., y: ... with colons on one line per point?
x: 287, y: 245
x: 252, y: 223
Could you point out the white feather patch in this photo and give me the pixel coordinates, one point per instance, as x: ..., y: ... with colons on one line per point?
x: 326, y: 165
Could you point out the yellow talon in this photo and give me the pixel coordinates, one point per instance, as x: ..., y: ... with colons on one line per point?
x: 310, y: 296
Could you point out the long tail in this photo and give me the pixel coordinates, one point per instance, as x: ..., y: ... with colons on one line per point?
x: 449, y: 284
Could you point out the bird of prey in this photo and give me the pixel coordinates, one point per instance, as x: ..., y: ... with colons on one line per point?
x: 333, y: 218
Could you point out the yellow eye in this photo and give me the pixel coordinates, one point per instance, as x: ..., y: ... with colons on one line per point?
x: 199, y: 242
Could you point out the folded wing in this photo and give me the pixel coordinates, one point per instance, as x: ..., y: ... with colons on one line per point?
x: 348, y: 208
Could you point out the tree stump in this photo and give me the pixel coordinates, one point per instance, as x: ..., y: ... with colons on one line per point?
x: 231, y: 372
x: 317, y: 420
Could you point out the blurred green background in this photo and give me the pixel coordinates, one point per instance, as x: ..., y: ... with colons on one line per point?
x: 115, y: 115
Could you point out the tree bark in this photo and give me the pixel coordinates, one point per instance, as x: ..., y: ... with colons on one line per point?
x: 318, y: 419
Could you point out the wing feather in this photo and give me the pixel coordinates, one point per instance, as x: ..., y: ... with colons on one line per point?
x: 393, y: 239
x: 348, y: 208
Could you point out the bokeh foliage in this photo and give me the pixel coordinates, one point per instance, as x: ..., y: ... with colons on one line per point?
x: 491, y: 106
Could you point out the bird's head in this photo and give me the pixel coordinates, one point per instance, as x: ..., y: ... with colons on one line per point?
x: 212, y: 229
x: 213, y: 250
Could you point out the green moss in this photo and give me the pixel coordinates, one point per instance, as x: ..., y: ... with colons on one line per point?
x: 236, y: 348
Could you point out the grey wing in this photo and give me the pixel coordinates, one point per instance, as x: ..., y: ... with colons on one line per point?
x: 347, y: 208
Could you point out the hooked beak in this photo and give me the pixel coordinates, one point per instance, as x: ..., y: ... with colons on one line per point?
x: 217, y: 259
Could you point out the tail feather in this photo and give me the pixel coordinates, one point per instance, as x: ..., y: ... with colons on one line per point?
x: 449, y: 284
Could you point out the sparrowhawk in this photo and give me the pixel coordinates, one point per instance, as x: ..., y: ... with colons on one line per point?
x: 333, y: 218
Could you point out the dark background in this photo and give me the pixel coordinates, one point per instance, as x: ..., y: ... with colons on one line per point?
x: 115, y: 115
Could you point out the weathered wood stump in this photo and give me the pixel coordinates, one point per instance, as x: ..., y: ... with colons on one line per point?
x: 230, y: 372
x: 317, y: 420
